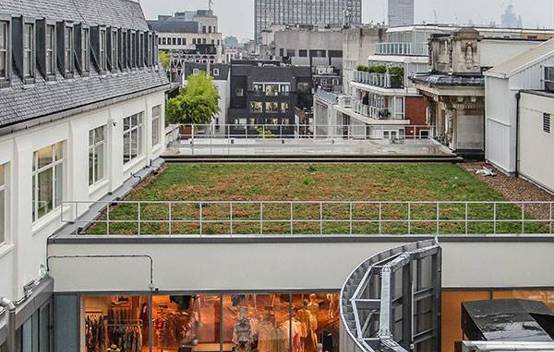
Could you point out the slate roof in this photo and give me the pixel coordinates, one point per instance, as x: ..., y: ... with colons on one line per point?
x: 118, y: 13
x: 174, y: 26
x: 438, y: 79
x: 21, y: 103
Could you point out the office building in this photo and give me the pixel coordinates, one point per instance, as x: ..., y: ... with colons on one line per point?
x: 401, y: 13
x: 324, y: 13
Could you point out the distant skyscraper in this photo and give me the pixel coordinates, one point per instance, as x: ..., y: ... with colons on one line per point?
x: 401, y: 13
x: 306, y: 12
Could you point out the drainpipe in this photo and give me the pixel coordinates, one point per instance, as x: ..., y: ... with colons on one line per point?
x: 518, y: 99
x: 10, y: 306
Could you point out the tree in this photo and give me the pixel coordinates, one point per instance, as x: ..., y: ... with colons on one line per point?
x: 164, y: 60
x: 197, y: 102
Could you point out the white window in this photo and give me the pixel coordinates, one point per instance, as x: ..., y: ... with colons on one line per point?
x: 85, y: 46
x: 102, y: 50
x: 4, y: 50
x: 68, y: 53
x: 115, y: 50
x: 156, y: 125
x: 3, y: 204
x: 96, y: 155
x: 28, y: 51
x: 132, y: 137
x: 47, y: 180
x: 50, y: 45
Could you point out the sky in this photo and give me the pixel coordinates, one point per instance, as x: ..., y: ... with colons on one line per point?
x: 236, y: 17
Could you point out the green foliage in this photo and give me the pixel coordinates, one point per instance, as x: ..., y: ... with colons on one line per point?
x: 378, y: 69
x: 396, y: 71
x: 197, y: 103
x: 164, y: 60
x: 363, y: 68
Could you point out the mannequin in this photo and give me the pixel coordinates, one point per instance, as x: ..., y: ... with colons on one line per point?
x: 309, y: 326
x: 265, y: 331
x: 313, y: 306
x: 242, y: 334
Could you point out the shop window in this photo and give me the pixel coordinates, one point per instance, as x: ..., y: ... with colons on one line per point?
x: 271, y: 107
x: 256, y: 106
x: 34, y: 335
x: 97, y: 155
x: 47, y: 180
x: 156, y: 125
x: 115, y: 323
x: 132, y: 137
x: 3, y: 204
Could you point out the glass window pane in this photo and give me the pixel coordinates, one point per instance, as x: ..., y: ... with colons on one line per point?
x: 44, y: 329
x: 99, y: 162
x: 44, y: 157
x: 91, y: 166
x: 58, y: 150
x: 45, y: 192
x: 2, y: 216
x: 59, y: 186
x: 126, y: 147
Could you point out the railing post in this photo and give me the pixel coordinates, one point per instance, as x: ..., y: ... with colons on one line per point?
x: 170, y: 218
x: 495, y: 216
x: 380, y: 218
x: 350, y: 218
x: 108, y: 219
x: 438, y: 218
x: 466, y: 219
x: 551, y: 219
x: 231, y: 219
x: 321, y: 218
x: 291, y: 219
x: 261, y: 218
x: 523, y: 218
x: 201, y: 218
x: 409, y: 218
x: 138, y: 215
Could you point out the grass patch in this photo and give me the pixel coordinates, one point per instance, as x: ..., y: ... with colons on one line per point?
x: 321, y: 182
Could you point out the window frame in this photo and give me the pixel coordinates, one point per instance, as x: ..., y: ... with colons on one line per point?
x: 139, y: 128
x: 93, y: 151
x: 68, y: 50
x: 28, y: 53
x: 156, y: 126
x: 102, y: 50
x: 37, y: 171
x: 50, y: 53
x: 114, y: 49
x: 85, y: 50
x: 6, y: 20
x: 5, y: 199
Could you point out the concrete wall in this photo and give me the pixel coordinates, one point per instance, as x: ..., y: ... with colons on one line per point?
x: 470, y: 130
x: 286, y: 265
x: 494, y: 51
x: 536, y: 159
x: 25, y: 248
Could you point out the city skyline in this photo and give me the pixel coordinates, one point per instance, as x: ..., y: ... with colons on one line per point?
x: 375, y: 11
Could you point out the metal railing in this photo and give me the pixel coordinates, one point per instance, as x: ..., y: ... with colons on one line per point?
x: 402, y: 48
x: 240, y: 134
x: 373, y: 112
x: 383, y: 80
x: 312, y: 218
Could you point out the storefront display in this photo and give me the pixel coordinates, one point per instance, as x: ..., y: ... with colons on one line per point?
x: 275, y: 322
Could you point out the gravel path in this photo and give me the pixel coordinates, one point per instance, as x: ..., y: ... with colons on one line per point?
x: 514, y: 189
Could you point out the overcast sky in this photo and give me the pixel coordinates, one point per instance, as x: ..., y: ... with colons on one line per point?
x: 236, y: 17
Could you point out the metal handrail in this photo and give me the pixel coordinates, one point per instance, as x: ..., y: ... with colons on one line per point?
x: 385, y: 217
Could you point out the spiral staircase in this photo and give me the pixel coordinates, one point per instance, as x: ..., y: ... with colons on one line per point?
x: 391, y: 302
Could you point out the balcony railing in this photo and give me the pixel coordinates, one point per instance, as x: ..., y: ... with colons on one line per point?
x: 311, y: 218
x: 373, y: 112
x: 382, y: 80
x: 406, y: 48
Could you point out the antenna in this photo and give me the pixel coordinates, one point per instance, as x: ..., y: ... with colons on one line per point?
x: 210, y: 4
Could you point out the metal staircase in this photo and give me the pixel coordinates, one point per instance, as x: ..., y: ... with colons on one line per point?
x: 382, y: 300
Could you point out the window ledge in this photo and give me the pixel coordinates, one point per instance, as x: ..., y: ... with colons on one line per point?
x: 5, y: 249
x: 131, y: 164
x: 97, y: 186
x: 47, y: 219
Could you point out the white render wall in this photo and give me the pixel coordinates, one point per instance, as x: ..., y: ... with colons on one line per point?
x: 25, y: 251
x: 536, y: 146
x: 308, y: 265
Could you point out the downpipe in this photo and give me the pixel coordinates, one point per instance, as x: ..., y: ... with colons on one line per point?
x: 10, y: 306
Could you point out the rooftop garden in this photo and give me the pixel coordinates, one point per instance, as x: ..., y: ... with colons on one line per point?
x: 312, y: 183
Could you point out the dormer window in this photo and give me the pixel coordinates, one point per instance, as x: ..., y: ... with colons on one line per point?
x: 123, y: 50
x: 85, y: 49
x: 102, y: 50
x: 28, y: 50
x: 50, y: 40
x: 132, y: 50
x: 114, y: 49
x: 141, y: 49
x: 68, y: 50
x: 4, y: 50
